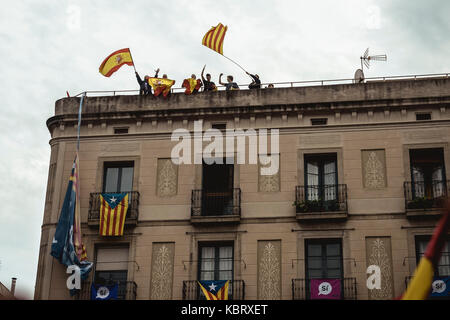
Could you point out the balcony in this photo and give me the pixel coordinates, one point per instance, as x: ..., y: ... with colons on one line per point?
x: 321, y: 202
x: 301, y: 291
x: 215, y: 207
x: 425, y: 198
x: 192, y: 291
x: 126, y: 291
x: 131, y: 218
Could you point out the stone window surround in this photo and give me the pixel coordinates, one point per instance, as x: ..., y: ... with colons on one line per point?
x: 236, y: 173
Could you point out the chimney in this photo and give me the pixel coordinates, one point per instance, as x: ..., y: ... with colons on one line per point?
x: 13, y: 285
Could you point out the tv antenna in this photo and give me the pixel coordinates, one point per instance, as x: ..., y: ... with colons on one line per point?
x: 365, y: 61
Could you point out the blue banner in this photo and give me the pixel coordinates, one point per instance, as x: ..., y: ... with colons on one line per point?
x: 102, y: 292
x: 440, y: 287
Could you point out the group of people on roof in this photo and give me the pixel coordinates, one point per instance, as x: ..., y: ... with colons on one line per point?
x: 192, y: 85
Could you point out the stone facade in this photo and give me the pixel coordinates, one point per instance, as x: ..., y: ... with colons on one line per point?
x: 371, y: 128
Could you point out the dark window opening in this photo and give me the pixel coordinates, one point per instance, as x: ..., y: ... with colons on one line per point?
x: 120, y: 130
x: 319, y: 121
x: 427, y: 173
x: 219, y: 126
x: 217, y: 190
x: 423, y: 116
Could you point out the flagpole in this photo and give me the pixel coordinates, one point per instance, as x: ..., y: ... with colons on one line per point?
x: 236, y: 64
x: 132, y: 59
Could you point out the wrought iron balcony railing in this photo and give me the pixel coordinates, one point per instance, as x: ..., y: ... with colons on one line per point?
x: 425, y: 195
x: 192, y: 291
x: 323, y: 198
x: 126, y: 291
x: 132, y: 211
x: 206, y: 203
x: 301, y: 289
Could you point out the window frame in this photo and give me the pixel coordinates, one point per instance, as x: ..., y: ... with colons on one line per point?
x: 120, y: 165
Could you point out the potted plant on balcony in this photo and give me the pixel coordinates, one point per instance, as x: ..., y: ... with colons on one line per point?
x: 421, y: 203
x: 308, y: 205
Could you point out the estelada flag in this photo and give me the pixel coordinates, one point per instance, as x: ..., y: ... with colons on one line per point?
x: 161, y: 85
x: 113, y: 210
x: 191, y: 85
x: 213, y: 39
x: 420, y: 285
x: 114, y: 61
x: 215, y: 290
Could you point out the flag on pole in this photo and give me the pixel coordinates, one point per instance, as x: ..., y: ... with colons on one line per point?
x: 213, y: 39
x: 113, y: 210
x: 66, y: 247
x: 161, y: 86
x: 115, y: 60
x: 420, y: 285
x: 215, y: 290
x: 191, y: 85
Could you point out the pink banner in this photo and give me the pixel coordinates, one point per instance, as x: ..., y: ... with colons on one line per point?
x: 325, y: 289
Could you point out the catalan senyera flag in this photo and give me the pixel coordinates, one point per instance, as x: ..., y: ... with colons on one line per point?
x: 115, y: 60
x: 113, y: 210
x: 215, y: 290
x: 191, y: 84
x: 420, y: 285
x: 213, y: 39
x: 161, y: 85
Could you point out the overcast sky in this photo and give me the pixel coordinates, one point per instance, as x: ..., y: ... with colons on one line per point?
x: 48, y: 47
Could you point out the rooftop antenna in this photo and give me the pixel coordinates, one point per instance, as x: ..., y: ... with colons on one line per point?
x: 365, y: 61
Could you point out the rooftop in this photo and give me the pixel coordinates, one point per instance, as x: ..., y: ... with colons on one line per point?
x: 322, y: 94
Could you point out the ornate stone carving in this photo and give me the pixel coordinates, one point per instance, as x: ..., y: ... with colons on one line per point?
x: 374, y: 172
x: 269, y: 270
x: 162, y: 271
x: 167, y: 180
x: 379, y: 253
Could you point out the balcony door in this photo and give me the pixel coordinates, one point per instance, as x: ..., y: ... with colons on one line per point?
x: 428, y: 173
x: 323, y: 258
x: 217, y: 188
x: 216, y: 263
x: 321, y: 177
x: 118, y: 177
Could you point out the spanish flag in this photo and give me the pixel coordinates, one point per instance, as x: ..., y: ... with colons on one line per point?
x: 113, y: 210
x: 420, y: 286
x: 161, y: 85
x: 215, y: 290
x: 213, y: 39
x: 114, y: 61
x: 191, y: 85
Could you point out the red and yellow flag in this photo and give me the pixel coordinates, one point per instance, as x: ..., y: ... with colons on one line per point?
x: 161, y: 85
x: 213, y: 39
x: 191, y: 84
x: 113, y: 210
x: 420, y: 285
x: 115, y: 60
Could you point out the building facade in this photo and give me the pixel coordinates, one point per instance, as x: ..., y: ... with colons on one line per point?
x: 362, y: 176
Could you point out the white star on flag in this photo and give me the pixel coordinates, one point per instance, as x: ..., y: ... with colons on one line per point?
x: 113, y: 199
x: 212, y: 287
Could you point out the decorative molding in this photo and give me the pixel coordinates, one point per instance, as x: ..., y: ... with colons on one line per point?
x: 162, y: 271
x: 374, y: 169
x: 269, y: 270
x: 379, y: 253
x: 167, y: 178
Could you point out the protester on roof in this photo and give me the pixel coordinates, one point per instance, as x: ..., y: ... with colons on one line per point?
x: 230, y: 85
x: 208, y: 85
